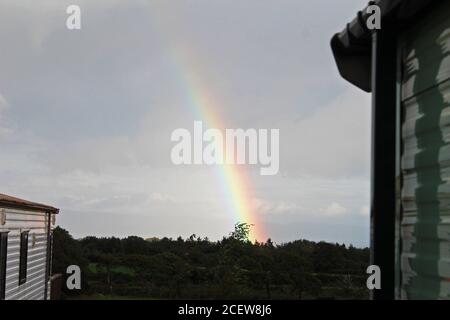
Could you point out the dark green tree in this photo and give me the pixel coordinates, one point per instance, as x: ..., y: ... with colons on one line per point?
x: 241, y: 231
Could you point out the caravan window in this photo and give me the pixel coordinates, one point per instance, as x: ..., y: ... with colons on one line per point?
x: 23, y: 257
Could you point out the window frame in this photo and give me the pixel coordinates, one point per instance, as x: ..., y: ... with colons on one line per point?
x: 3, y: 261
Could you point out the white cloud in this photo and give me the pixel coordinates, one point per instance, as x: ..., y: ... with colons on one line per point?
x: 334, y: 141
x: 3, y: 103
x: 4, y: 129
x: 364, y: 210
x: 335, y: 209
x: 263, y: 206
x: 161, y: 197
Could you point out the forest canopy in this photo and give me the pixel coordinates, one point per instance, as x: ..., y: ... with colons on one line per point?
x: 197, y: 268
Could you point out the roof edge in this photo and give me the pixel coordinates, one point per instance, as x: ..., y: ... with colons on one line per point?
x: 352, y: 47
x: 16, y: 203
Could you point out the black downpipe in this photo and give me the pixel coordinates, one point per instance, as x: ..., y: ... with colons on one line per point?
x: 383, y: 204
x: 49, y: 253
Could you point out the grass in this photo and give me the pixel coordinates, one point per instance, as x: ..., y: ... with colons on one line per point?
x: 96, y: 268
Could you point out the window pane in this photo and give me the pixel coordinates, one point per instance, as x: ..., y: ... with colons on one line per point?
x: 23, y: 257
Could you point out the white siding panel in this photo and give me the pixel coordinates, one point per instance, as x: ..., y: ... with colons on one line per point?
x: 37, y: 279
x: 20, y: 293
x: 36, y: 223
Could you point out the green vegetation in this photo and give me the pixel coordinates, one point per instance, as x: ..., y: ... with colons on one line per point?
x: 197, y: 268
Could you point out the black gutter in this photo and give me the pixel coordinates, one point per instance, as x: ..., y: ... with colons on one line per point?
x: 352, y: 47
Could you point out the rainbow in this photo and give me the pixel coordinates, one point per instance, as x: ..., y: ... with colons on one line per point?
x: 234, y: 179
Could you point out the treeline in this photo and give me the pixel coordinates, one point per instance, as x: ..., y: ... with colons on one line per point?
x: 196, y: 268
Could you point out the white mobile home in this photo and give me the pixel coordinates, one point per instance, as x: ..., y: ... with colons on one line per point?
x: 25, y: 249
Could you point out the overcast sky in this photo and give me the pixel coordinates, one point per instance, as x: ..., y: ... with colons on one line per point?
x: 86, y: 116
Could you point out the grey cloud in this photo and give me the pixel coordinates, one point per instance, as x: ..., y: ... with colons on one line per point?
x: 90, y: 113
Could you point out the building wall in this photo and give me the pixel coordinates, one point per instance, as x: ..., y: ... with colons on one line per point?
x: 425, y: 158
x: 36, y: 223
